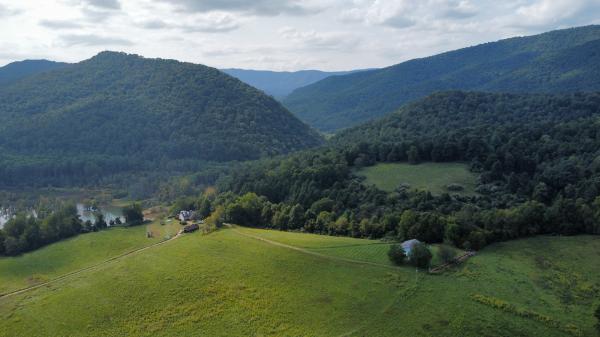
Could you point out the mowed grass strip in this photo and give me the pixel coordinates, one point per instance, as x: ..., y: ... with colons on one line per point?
x: 433, y: 177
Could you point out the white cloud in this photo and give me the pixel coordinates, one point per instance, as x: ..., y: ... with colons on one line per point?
x: 275, y: 34
x: 256, y: 7
x: 314, y: 40
x: 548, y: 12
x: 93, y: 40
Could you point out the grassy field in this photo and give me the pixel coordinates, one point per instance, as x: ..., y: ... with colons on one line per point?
x: 228, y: 284
x: 433, y: 177
x: 76, y: 253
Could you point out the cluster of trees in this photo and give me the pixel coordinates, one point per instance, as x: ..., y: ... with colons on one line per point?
x: 26, y: 232
x: 123, y: 114
x: 419, y: 256
x: 537, y: 157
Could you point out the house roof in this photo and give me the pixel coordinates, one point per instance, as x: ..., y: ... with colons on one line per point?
x: 409, y: 244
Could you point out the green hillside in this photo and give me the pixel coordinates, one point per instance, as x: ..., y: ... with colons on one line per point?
x: 58, y: 259
x: 123, y: 113
x: 559, y: 61
x: 533, y: 159
x: 230, y: 284
x: 15, y: 71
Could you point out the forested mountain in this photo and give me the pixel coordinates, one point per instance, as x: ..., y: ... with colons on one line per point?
x: 124, y: 113
x: 537, y: 157
x: 559, y: 61
x: 17, y: 70
x: 280, y: 84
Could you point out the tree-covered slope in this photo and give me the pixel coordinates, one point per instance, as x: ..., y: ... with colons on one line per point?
x: 17, y: 70
x: 280, y: 84
x: 558, y: 61
x: 535, y: 156
x: 118, y: 112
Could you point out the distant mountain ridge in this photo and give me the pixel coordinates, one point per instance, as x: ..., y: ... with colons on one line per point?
x: 559, y: 61
x: 123, y: 113
x: 281, y: 84
x: 15, y: 71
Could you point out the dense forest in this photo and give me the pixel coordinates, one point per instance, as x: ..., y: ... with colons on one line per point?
x: 121, y: 114
x: 537, y: 157
x: 555, y: 62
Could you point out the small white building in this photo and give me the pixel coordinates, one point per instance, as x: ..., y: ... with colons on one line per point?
x: 186, y: 215
x: 408, y: 245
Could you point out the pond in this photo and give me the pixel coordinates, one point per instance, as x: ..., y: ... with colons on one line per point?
x: 85, y: 214
x: 109, y: 213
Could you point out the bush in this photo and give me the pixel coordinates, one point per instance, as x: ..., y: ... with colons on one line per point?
x: 455, y: 188
x: 446, y: 254
x: 420, y: 256
x: 597, y: 314
x: 397, y: 254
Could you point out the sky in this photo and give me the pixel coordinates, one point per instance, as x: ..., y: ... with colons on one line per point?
x: 281, y: 35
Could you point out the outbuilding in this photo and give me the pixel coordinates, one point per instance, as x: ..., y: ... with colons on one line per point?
x: 408, y: 245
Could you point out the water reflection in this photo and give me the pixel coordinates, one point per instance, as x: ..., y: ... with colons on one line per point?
x: 110, y: 213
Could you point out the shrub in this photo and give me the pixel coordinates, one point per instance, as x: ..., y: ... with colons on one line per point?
x: 420, y: 256
x: 455, y: 187
x: 597, y: 314
x: 446, y: 254
x: 397, y: 254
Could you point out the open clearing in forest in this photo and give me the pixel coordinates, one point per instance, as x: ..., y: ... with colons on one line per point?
x: 433, y: 177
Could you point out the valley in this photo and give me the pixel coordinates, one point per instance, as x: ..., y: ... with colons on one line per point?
x: 424, y: 182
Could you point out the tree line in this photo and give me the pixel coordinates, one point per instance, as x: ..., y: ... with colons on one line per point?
x: 27, y: 232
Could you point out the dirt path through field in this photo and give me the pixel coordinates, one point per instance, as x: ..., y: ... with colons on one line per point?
x: 310, y: 252
x: 80, y: 271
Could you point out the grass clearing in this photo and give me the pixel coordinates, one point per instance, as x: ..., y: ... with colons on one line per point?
x: 227, y: 284
x: 70, y: 255
x: 433, y: 177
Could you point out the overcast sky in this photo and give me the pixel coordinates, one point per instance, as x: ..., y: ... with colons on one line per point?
x: 274, y: 34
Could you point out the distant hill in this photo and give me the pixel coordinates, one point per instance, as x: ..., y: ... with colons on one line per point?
x: 17, y: 70
x: 117, y: 112
x: 280, y: 84
x: 559, y: 61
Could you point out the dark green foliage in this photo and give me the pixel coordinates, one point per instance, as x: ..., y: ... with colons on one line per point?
x: 397, y: 254
x: 446, y: 254
x: 537, y: 157
x: 597, y: 315
x: 133, y: 214
x: 100, y: 222
x: 420, y: 256
x: 15, y: 71
x: 559, y: 61
x: 118, y: 113
x: 25, y: 233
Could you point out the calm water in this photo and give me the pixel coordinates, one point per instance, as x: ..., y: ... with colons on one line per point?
x: 109, y: 212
